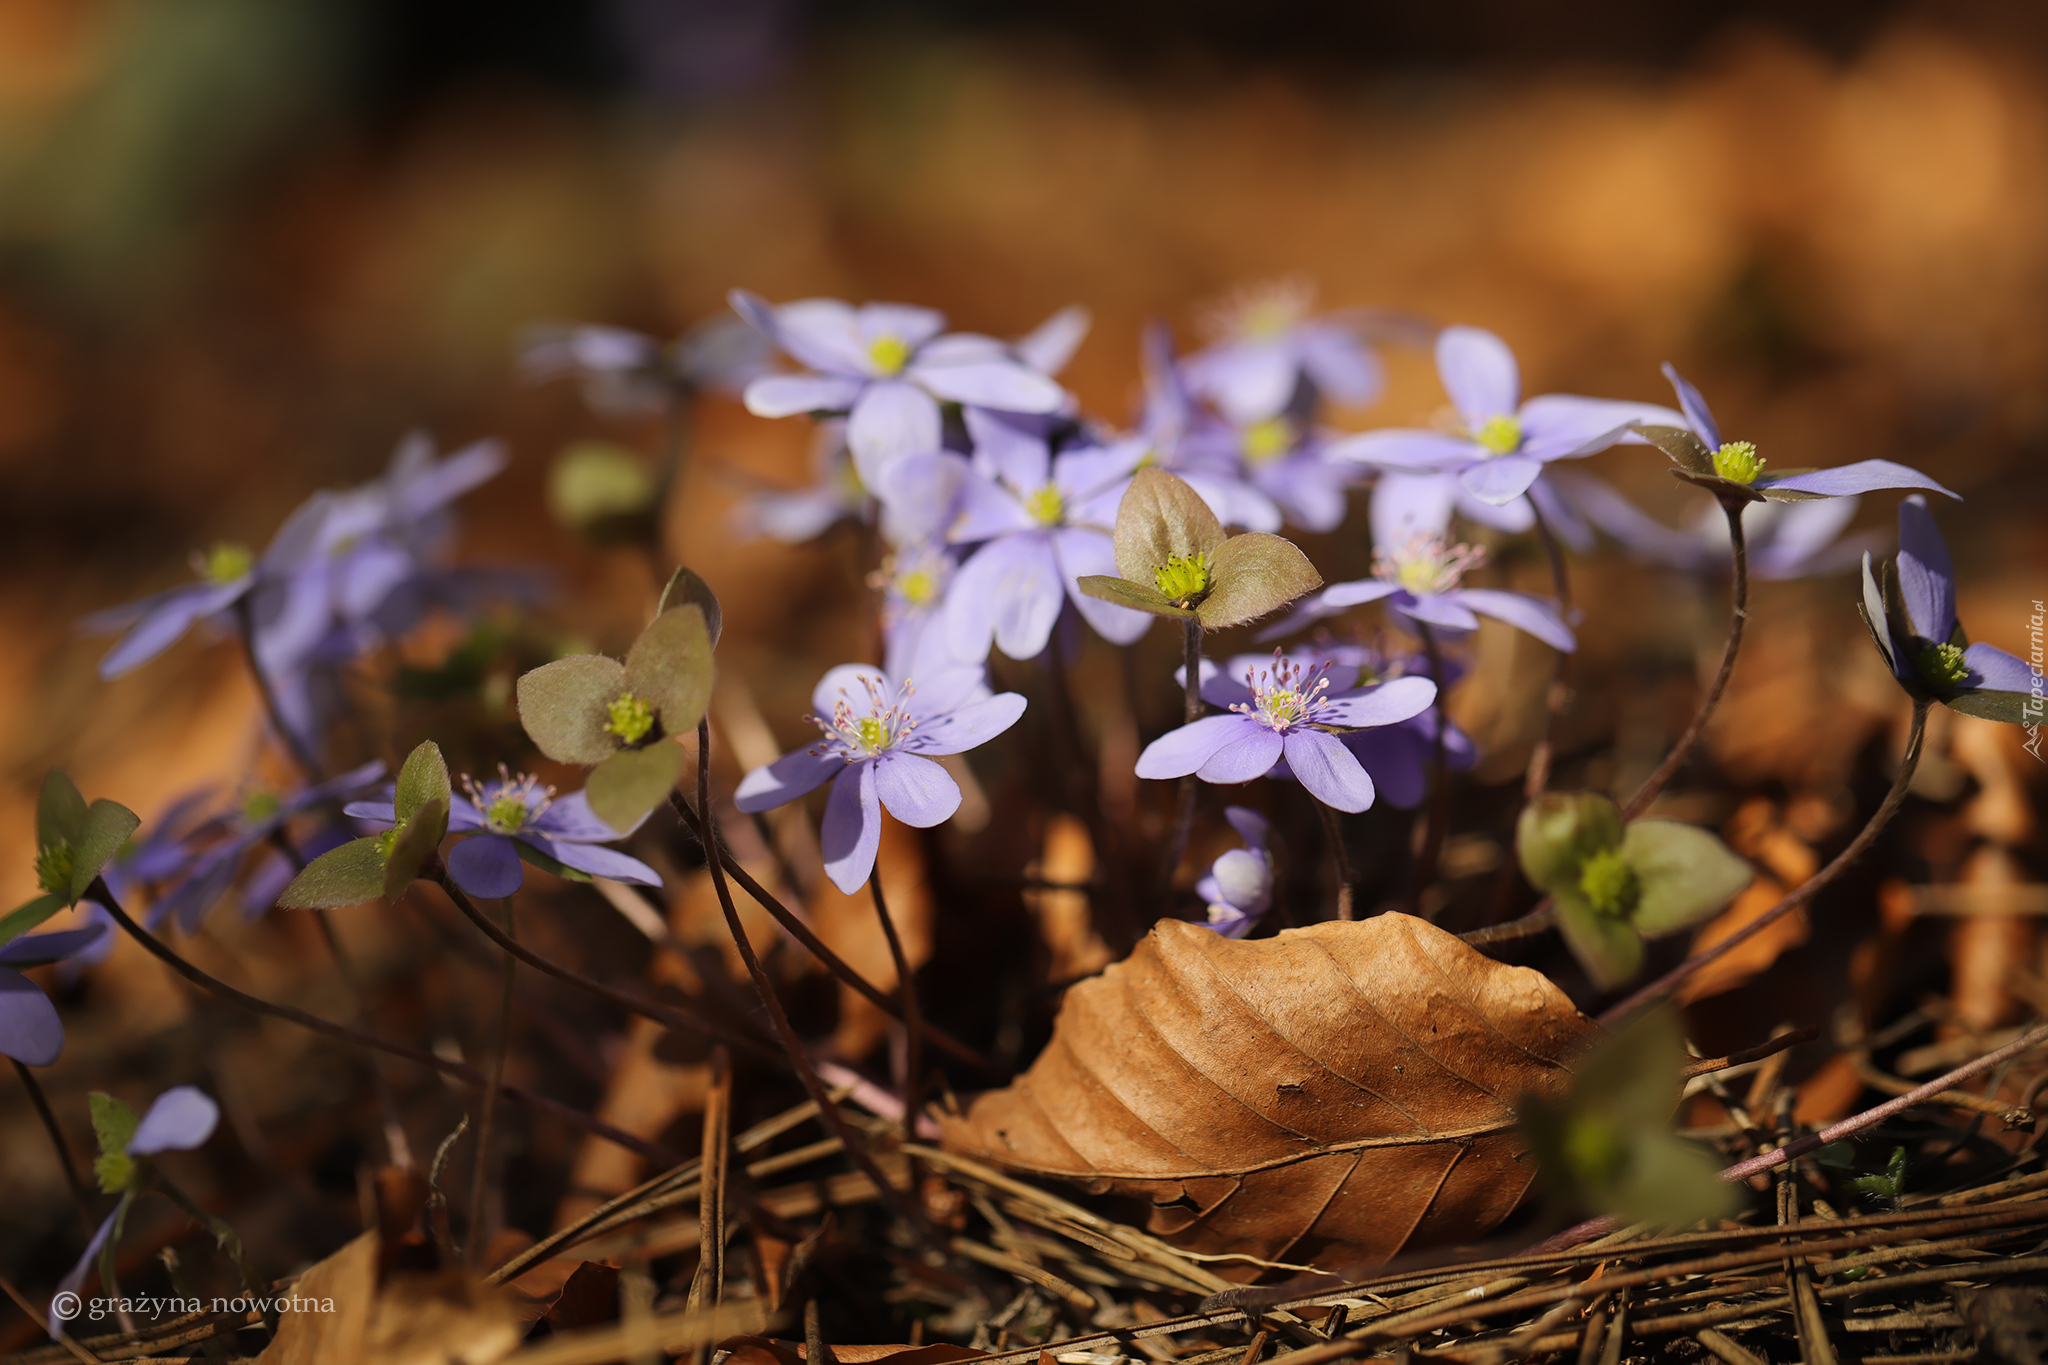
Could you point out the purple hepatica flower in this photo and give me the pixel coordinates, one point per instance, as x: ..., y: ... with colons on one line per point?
x: 1397, y: 757
x: 1502, y: 444
x: 515, y: 818
x: 1783, y: 539
x: 181, y: 1119
x: 1239, y: 886
x: 1044, y: 521
x: 836, y: 494
x: 1420, y: 581
x: 1203, y: 451
x: 1288, y: 462
x: 30, y: 1031
x: 1268, y: 349
x: 1730, y: 466
x: 880, y: 738
x: 914, y: 586
x: 628, y: 374
x: 196, y: 868
x: 283, y: 590
x: 888, y: 367
x: 1916, y: 629
x: 1279, y: 712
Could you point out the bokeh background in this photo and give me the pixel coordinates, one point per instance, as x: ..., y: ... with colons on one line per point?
x: 245, y: 246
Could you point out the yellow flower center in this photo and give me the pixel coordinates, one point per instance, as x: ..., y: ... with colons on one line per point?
x: 889, y: 354
x: 919, y: 587
x: 872, y: 733
x: 1943, y: 665
x: 1738, y: 462
x: 1046, y: 506
x: 1593, y: 1149
x: 224, y: 562
x: 54, y: 866
x: 1268, y: 440
x: 1609, y: 883
x: 631, y: 718
x: 1501, y: 434
x: 1183, y: 578
x: 507, y: 815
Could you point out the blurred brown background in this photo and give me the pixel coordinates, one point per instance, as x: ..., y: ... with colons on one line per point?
x: 244, y: 246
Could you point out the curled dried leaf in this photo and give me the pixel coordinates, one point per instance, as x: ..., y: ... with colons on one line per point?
x: 1334, y: 1094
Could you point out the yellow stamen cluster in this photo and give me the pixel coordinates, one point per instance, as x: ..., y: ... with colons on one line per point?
x: 630, y: 718
x: 1267, y: 441
x: 224, y: 562
x: 1501, y: 434
x: 1609, y: 883
x: 1738, y: 462
x: 54, y: 865
x: 1183, y: 579
x: 889, y: 354
x: 1047, y: 506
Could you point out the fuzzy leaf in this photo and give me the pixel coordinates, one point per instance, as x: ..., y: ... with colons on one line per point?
x: 106, y: 827
x: 1253, y: 574
x: 1330, y: 1095
x: 684, y: 585
x: 417, y: 840
x: 669, y: 667
x: 1686, y: 450
x: 563, y: 707
x: 1158, y: 519
x: 113, y: 1126
x: 1607, y: 946
x: 1685, y: 873
x: 2009, y: 707
x: 1609, y: 1143
x: 1559, y: 831
x: 1125, y: 593
x: 23, y: 918
x: 632, y: 782
x: 348, y: 875
x: 424, y: 778
x: 60, y: 812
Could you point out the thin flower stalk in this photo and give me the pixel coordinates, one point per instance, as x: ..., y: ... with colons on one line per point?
x: 913, y: 1023
x: 480, y: 1172
x: 1191, y: 711
x: 1439, y: 790
x: 468, y: 1075
x: 1696, y: 727
x: 1800, y: 895
x: 821, y: 950
x: 79, y: 1194
x: 647, y: 1009
x: 792, y: 1042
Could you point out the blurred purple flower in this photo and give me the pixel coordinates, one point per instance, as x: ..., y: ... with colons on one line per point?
x: 1206, y: 453
x: 1502, y: 444
x: 284, y: 587
x: 1044, y: 521
x: 794, y: 516
x: 1268, y: 348
x: 880, y: 738
x: 499, y: 816
x: 888, y: 367
x: 1417, y: 568
x: 1281, y: 712
x: 915, y: 582
x: 627, y: 374
x: 193, y: 864
x: 1239, y: 886
x: 30, y: 1031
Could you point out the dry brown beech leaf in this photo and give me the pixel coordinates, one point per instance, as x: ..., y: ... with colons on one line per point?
x: 1332, y: 1095
x: 754, y: 1350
